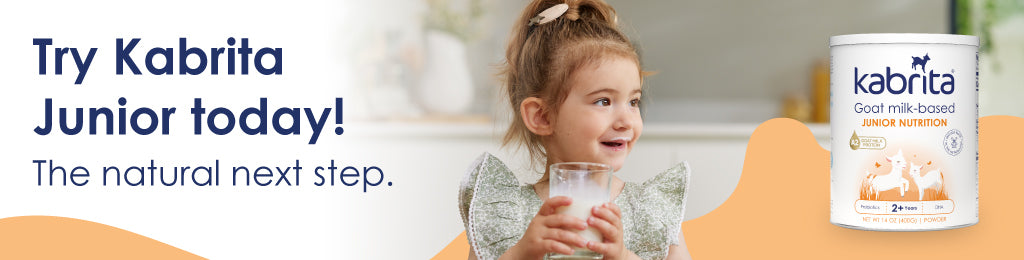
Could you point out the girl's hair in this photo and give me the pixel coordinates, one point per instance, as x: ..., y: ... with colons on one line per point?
x: 541, y: 58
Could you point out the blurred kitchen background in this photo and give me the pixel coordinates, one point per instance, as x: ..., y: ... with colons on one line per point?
x: 421, y: 77
x: 717, y: 61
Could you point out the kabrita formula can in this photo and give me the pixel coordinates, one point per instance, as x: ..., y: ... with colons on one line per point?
x: 904, y: 115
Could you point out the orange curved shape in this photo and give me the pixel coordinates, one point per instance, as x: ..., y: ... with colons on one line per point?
x: 780, y: 208
x: 48, y: 237
x: 457, y: 249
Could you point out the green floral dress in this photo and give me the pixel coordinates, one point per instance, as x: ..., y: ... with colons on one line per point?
x: 496, y: 209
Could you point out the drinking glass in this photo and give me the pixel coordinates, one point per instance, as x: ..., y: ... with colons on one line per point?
x: 589, y: 185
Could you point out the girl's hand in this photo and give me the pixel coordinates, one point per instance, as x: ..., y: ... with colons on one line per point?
x: 549, y: 232
x: 607, y: 219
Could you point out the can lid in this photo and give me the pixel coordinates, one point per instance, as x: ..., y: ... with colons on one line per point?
x: 883, y: 38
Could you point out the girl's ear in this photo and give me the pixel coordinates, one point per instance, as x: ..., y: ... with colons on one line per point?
x: 535, y: 116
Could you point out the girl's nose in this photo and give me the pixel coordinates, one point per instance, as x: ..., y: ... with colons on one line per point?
x: 625, y: 118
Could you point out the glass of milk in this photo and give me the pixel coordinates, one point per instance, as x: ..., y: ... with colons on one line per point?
x: 589, y: 185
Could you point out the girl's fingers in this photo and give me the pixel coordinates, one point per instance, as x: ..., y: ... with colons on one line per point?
x: 606, y: 214
x: 608, y: 231
x: 565, y: 237
x: 564, y: 221
x: 556, y: 247
x: 615, y: 208
x: 600, y: 248
x: 553, y: 203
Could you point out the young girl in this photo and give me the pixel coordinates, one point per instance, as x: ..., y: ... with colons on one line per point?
x: 574, y: 82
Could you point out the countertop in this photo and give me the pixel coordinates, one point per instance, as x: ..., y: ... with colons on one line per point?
x: 495, y: 130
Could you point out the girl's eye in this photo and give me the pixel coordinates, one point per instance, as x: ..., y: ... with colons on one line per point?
x: 634, y: 102
x: 603, y: 102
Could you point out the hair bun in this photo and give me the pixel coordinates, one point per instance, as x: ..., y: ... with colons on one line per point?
x: 573, y: 13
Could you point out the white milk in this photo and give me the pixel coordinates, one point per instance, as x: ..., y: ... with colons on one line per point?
x: 581, y: 209
x: 904, y: 117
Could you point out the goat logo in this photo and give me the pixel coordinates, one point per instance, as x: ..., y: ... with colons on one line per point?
x: 885, y: 81
x: 920, y: 61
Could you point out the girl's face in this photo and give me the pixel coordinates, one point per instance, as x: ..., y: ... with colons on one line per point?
x: 600, y: 118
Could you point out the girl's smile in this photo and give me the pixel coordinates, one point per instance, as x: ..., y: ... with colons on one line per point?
x: 617, y: 144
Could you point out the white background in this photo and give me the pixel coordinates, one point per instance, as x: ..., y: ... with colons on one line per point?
x: 225, y: 222
x: 414, y: 219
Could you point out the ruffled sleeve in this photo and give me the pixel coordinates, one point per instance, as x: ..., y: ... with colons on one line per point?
x: 492, y: 205
x: 656, y: 212
x: 672, y: 185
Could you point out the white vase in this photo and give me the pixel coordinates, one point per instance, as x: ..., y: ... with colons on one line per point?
x: 446, y: 86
